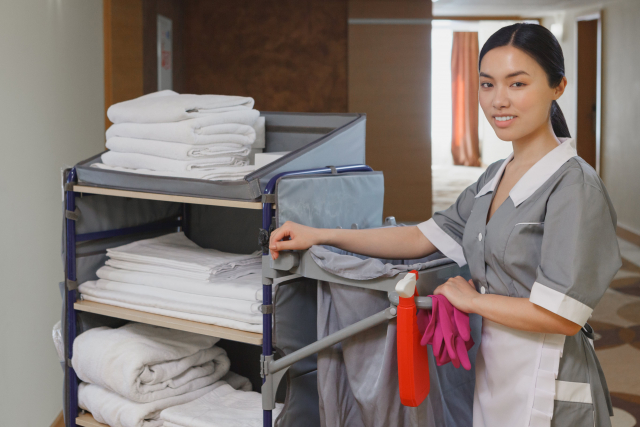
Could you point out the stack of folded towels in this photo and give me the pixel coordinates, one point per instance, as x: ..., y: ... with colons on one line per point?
x: 172, y: 276
x: 132, y: 373
x: 223, y: 407
x: 190, y: 136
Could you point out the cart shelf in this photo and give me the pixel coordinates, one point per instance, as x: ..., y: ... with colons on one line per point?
x: 106, y: 191
x: 169, y: 322
x: 87, y: 420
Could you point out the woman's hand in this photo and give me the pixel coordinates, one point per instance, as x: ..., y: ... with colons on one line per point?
x: 459, y: 292
x: 292, y: 236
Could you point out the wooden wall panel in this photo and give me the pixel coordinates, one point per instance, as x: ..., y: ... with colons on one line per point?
x: 289, y: 55
x: 172, y: 9
x: 389, y: 9
x: 389, y: 80
x: 123, y: 51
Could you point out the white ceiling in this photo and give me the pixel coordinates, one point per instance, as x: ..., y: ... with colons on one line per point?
x: 529, y: 8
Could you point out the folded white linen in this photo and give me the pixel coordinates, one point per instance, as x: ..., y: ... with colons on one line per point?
x: 221, y: 407
x: 176, y: 151
x: 232, y: 126
x: 145, y: 363
x: 235, y: 309
x: 168, y: 106
x: 209, y: 320
x: 236, y: 381
x: 175, y: 250
x: 145, y: 161
x: 157, y: 269
x: 259, y: 126
x: 247, y: 288
x: 110, y: 408
x: 236, y: 273
x: 231, y: 173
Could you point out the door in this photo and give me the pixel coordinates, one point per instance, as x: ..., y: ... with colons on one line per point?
x: 588, y: 97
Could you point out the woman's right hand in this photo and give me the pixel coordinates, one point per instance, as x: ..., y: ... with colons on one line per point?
x: 292, y: 236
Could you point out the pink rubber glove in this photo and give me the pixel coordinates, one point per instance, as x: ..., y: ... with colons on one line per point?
x: 448, y: 331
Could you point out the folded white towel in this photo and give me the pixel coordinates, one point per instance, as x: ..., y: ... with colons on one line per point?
x: 221, y: 407
x: 144, y: 161
x: 232, y: 126
x: 175, y: 250
x: 232, y: 173
x: 168, y: 106
x: 145, y: 363
x: 110, y: 408
x: 114, y: 410
x: 247, y: 288
x: 235, y: 309
x: 209, y: 320
x: 176, y: 151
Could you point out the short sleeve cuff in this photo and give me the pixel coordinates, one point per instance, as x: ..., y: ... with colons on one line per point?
x: 441, y: 240
x: 560, y: 304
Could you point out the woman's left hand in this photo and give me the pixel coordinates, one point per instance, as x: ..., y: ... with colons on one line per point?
x: 459, y: 292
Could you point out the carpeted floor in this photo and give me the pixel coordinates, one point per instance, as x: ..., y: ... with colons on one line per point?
x: 616, y: 319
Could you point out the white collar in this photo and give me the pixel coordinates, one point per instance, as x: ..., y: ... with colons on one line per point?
x: 537, y: 175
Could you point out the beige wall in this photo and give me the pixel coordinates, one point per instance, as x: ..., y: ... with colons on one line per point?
x: 620, y: 152
x: 51, y: 115
x: 621, y: 110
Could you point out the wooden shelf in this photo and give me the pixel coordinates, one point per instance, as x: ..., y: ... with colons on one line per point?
x: 87, y: 420
x: 166, y: 197
x: 169, y: 322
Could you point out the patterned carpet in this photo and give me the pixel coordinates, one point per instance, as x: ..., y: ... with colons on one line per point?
x: 616, y: 319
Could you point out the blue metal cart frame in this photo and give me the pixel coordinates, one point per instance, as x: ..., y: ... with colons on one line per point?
x: 71, y: 284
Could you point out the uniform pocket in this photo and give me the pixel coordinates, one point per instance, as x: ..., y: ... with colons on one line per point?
x: 572, y: 414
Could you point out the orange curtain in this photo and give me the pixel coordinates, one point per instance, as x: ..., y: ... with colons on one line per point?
x: 465, y: 146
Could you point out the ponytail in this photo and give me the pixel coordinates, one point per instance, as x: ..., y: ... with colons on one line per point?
x: 560, y: 128
x: 538, y: 42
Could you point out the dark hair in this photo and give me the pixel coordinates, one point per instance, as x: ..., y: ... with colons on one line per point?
x: 539, y: 43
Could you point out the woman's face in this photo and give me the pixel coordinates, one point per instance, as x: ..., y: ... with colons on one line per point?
x: 514, y: 93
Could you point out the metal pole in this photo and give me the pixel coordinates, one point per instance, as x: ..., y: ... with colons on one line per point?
x: 332, y: 339
x: 70, y: 301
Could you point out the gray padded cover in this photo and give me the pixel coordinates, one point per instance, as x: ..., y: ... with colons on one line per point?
x: 355, y: 197
x: 313, y: 139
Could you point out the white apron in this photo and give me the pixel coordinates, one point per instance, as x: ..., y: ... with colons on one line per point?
x: 516, y: 374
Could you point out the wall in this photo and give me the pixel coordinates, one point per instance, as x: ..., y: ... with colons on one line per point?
x: 289, y: 55
x: 389, y: 80
x: 172, y: 9
x: 123, y: 51
x: 620, y: 105
x: 620, y: 149
x: 51, y: 115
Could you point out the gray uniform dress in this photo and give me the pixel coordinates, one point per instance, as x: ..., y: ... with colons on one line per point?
x: 552, y: 241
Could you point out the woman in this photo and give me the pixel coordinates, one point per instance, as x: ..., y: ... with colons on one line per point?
x: 538, y: 233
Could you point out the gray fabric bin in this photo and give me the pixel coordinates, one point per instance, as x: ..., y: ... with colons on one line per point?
x: 314, y: 140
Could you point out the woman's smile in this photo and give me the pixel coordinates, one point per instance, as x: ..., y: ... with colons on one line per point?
x: 503, y: 121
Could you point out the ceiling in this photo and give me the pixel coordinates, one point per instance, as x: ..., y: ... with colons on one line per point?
x: 527, y: 8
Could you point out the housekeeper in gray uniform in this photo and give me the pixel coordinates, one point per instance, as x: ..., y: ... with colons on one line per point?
x: 538, y: 232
